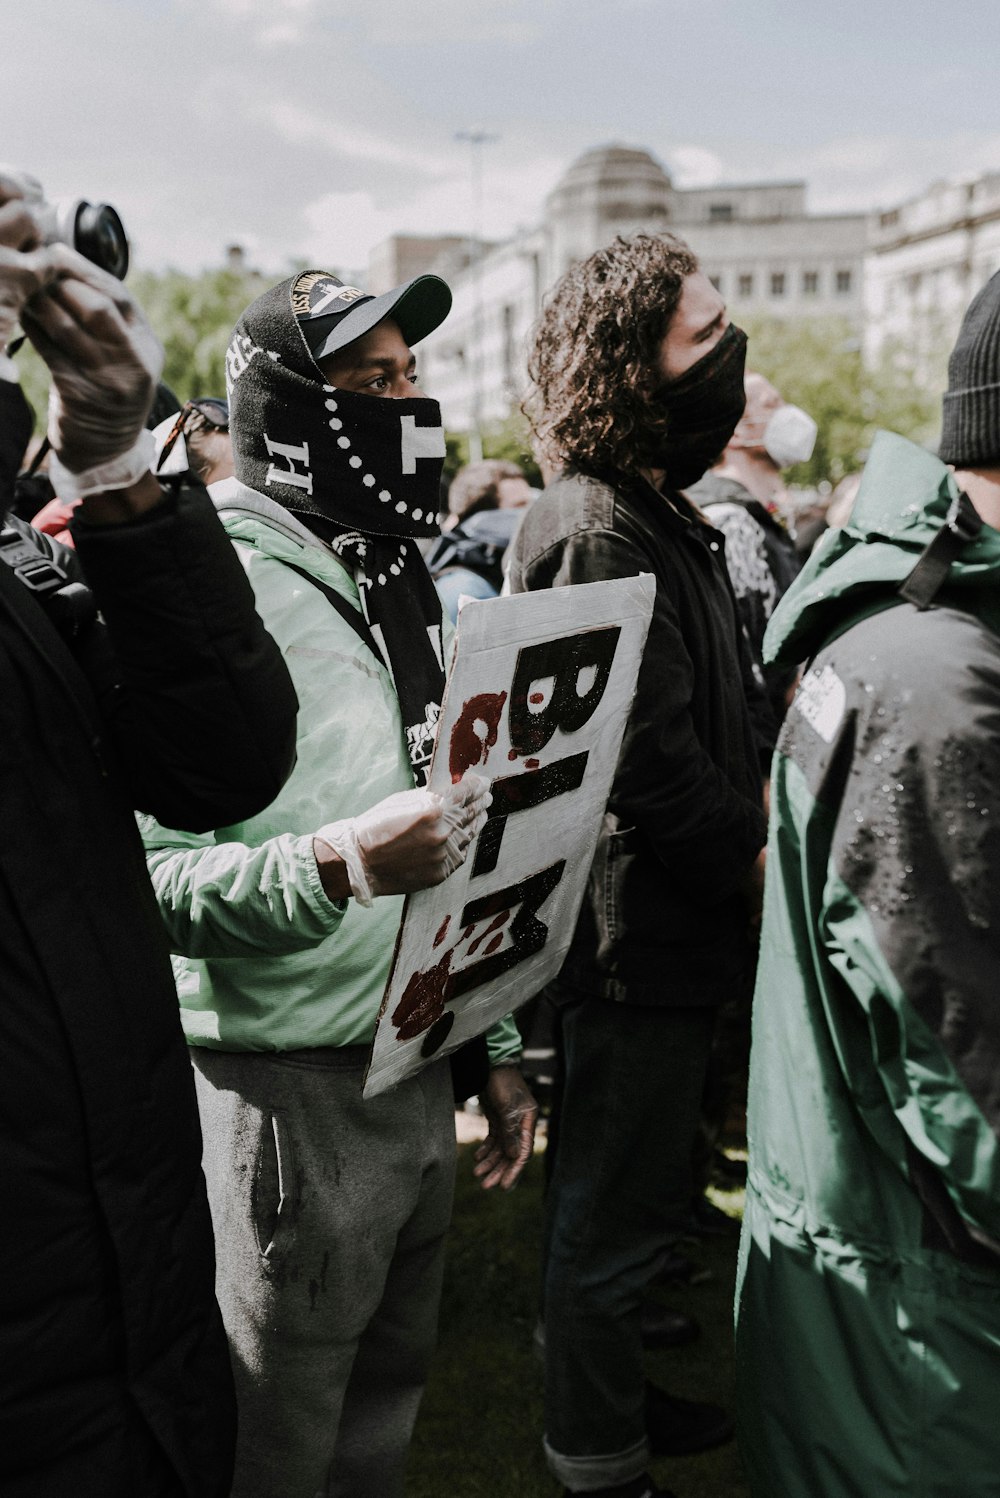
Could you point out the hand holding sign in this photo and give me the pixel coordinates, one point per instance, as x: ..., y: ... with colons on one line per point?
x: 539, y: 694
x: 409, y: 841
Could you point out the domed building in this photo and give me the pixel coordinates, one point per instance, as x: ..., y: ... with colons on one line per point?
x: 607, y: 191
x: 756, y: 242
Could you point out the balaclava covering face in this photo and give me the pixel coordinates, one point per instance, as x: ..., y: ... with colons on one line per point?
x: 705, y: 405
x: 362, y: 471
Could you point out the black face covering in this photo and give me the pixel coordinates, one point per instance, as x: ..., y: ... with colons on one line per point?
x: 364, y: 473
x: 370, y: 464
x: 705, y: 405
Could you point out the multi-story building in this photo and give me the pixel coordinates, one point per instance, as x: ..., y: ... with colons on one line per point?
x: 757, y: 242
x: 901, y: 278
x: 926, y: 260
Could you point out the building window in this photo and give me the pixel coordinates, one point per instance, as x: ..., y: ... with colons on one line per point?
x: 716, y: 282
x: 843, y: 281
x: 810, y: 282
x: 720, y: 213
x: 778, y: 283
x: 745, y: 285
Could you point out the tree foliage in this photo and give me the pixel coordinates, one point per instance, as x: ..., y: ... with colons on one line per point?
x: 510, y: 439
x: 818, y: 365
x: 193, y: 317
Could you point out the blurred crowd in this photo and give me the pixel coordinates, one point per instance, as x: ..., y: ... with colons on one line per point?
x: 225, y: 631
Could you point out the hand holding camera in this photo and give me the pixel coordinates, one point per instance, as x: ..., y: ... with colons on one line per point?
x: 24, y: 268
x: 105, y: 361
x: 103, y: 356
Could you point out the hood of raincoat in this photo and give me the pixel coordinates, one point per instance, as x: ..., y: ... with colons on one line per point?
x: 904, y: 500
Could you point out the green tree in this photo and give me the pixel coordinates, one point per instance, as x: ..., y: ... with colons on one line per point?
x: 818, y: 365
x: 193, y: 316
x: 509, y: 439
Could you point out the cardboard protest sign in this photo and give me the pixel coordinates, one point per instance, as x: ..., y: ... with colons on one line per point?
x: 538, y: 696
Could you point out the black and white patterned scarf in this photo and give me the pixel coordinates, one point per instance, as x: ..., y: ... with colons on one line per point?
x: 364, y: 474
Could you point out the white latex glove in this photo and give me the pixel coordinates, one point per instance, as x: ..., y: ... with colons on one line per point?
x: 104, y: 359
x: 411, y: 840
x: 24, y: 268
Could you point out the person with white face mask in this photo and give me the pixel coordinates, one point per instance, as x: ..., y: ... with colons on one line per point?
x: 743, y: 494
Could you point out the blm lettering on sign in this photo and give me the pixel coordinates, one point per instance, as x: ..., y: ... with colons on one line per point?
x: 538, y: 695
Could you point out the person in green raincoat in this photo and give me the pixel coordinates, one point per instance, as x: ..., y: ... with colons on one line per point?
x: 868, y: 1300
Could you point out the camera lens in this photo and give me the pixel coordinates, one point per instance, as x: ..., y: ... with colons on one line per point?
x: 100, y: 236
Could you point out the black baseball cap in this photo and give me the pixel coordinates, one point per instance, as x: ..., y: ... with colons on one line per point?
x: 332, y: 314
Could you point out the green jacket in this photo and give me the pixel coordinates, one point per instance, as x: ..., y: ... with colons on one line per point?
x: 868, y: 1302
x: 265, y: 961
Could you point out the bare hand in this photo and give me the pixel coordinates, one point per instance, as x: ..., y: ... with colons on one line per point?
x: 512, y: 1113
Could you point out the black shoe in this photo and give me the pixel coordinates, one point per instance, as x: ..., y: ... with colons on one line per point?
x: 640, y: 1487
x: 680, y: 1427
x: 664, y: 1327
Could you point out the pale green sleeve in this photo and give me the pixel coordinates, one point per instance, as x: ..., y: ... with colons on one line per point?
x: 231, y: 900
x: 503, y: 1041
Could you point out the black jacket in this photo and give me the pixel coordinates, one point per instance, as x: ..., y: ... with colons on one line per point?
x: 114, y: 1377
x: 664, y: 921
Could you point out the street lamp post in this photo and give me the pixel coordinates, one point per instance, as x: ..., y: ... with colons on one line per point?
x: 476, y: 139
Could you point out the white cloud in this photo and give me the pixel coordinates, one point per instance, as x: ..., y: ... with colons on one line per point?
x: 855, y: 173
x: 303, y: 126
x: 343, y: 227
x: 392, y: 23
x: 694, y: 166
x: 436, y: 22
x: 271, y: 22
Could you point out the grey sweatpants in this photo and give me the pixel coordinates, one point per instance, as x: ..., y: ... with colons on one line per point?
x: 330, y: 1214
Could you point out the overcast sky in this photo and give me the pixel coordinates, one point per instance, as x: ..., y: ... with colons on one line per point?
x: 314, y: 128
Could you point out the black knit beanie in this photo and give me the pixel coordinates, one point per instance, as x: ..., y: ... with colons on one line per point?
x: 970, y: 431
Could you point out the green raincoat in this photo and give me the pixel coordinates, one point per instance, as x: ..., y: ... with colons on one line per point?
x: 868, y: 1304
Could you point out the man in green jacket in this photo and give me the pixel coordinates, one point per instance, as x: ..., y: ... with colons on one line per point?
x: 330, y: 1210
x: 868, y: 1312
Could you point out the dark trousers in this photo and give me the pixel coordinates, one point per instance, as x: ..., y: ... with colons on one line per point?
x: 620, y: 1187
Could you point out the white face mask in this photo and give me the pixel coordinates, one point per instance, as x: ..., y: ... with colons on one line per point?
x: 790, y: 436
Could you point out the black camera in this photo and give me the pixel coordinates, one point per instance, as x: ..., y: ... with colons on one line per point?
x: 94, y: 230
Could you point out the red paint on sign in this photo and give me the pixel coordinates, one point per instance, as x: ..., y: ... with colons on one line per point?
x: 531, y: 764
x: 495, y: 924
x: 442, y: 931
x: 423, y: 1000
x: 491, y: 946
x: 475, y: 732
x: 537, y: 697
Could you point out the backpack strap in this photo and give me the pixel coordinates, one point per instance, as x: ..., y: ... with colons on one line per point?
x: 352, y: 616
x: 962, y: 525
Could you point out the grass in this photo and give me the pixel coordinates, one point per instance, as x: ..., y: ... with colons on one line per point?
x: 479, y: 1430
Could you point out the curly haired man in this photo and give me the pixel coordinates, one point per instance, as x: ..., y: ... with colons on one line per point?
x: 638, y: 386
